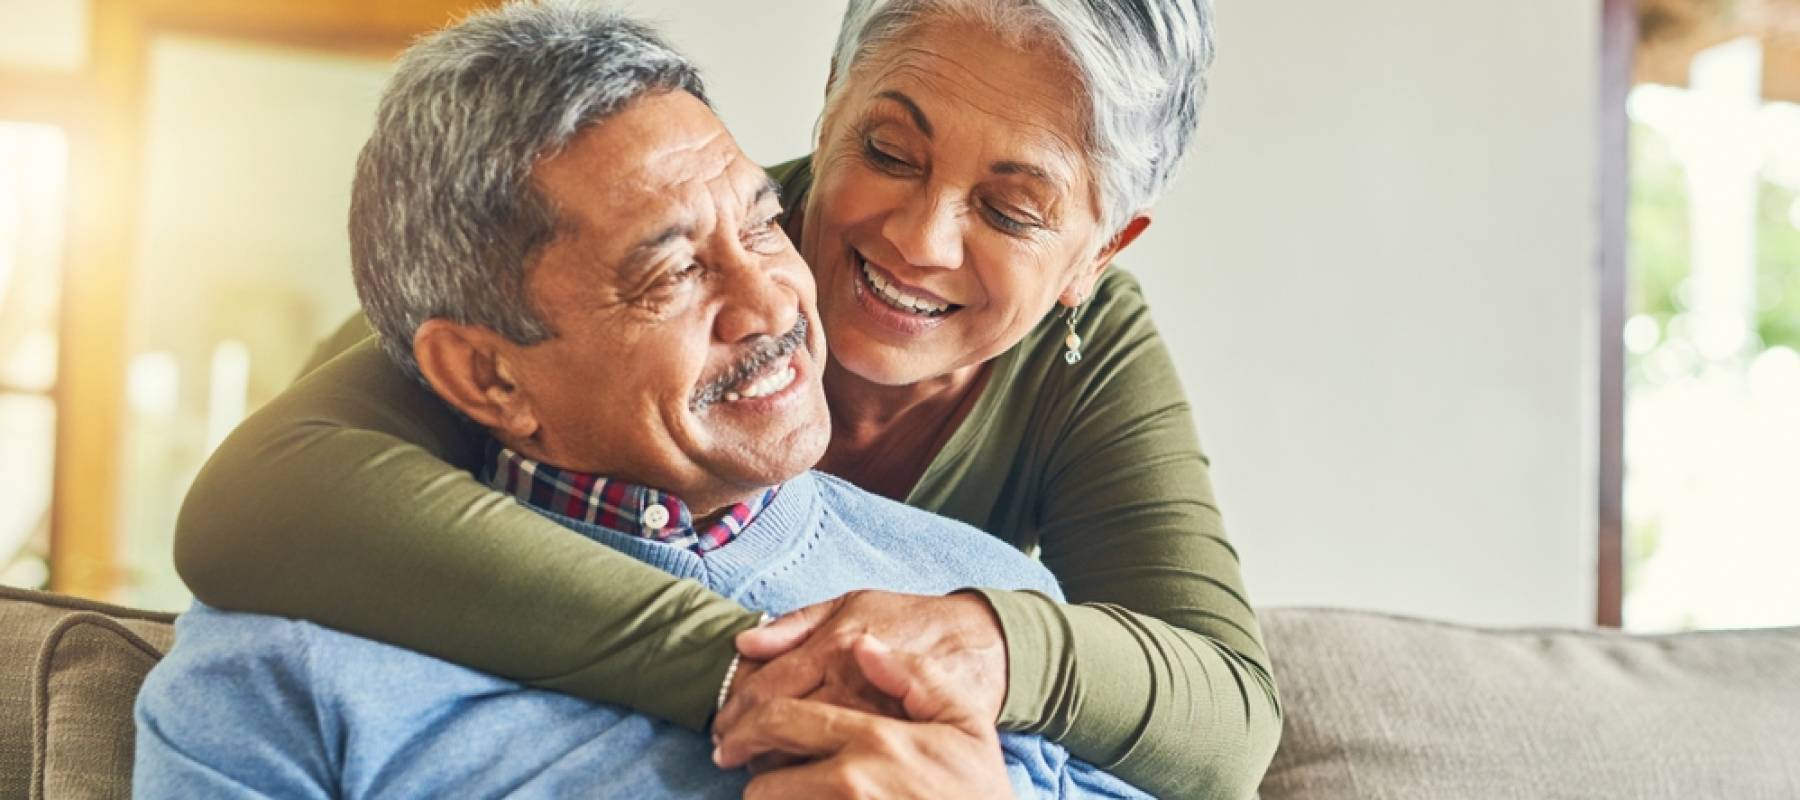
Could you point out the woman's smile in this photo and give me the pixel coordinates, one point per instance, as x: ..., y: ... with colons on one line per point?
x: 893, y: 306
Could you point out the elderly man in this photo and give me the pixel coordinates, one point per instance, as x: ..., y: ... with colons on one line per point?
x: 555, y: 233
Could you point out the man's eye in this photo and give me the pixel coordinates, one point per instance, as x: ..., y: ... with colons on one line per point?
x: 679, y: 275
x: 765, y: 234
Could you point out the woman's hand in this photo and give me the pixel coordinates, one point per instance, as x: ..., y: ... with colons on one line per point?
x: 809, y: 654
x: 950, y: 748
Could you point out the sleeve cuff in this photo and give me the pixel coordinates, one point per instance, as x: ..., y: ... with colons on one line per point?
x: 1065, y: 661
x: 1034, y: 637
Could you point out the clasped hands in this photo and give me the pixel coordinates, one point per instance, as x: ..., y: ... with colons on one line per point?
x: 871, y: 694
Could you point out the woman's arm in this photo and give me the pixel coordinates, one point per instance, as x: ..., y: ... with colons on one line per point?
x: 1156, y: 670
x: 347, y: 501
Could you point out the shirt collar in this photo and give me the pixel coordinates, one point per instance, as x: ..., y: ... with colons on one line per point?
x: 613, y: 504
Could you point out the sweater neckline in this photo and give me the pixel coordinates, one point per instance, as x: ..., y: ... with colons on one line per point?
x: 772, y: 539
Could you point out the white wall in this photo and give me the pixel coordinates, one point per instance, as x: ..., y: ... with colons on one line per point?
x: 765, y: 63
x: 1375, y: 275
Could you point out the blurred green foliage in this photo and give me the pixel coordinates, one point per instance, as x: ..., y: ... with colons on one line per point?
x: 1778, y: 266
x: 1658, y: 239
x: 1659, y: 245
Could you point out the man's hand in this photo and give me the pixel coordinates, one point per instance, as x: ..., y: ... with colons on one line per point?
x: 810, y: 654
x: 950, y: 750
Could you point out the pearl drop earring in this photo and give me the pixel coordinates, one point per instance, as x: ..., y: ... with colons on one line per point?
x: 1073, y: 340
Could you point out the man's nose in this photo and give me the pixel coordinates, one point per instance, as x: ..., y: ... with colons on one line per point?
x: 756, y: 303
x: 926, y: 230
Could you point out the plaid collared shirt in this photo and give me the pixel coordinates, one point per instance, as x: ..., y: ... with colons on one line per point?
x: 612, y: 504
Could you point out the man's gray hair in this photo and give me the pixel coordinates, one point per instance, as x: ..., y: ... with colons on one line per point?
x: 445, y: 220
x: 1142, y: 62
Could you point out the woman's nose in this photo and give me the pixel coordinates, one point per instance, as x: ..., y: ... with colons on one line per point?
x: 926, y: 231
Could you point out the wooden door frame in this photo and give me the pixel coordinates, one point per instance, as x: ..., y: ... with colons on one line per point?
x: 1619, y: 34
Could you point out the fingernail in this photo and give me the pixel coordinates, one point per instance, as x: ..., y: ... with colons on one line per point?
x: 718, y: 757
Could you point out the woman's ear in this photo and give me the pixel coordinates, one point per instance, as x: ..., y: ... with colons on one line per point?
x: 472, y: 369
x: 1080, y: 289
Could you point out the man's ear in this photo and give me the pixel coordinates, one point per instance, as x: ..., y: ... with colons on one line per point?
x: 471, y: 368
x: 1082, y: 287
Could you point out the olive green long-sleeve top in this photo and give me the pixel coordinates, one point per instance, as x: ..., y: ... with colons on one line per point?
x: 349, y: 501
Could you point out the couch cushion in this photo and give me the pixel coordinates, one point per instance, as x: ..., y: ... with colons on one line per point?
x: 1383, y: 706
x: 87, y: 680
x: 49, y: 646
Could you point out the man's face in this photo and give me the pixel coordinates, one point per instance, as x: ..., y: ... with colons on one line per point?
x: 686, y: 354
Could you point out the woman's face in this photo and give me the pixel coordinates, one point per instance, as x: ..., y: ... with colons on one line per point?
x: 952, y: 205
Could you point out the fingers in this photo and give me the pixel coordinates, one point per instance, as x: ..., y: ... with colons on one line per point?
x: 786, y: 632
x: 787, y: 678
x: 889, y: 758
x: 803, y: 728
x: 906, y: 678
x: 884, y: 668
x: 769, y: 762
x: 819, y: 779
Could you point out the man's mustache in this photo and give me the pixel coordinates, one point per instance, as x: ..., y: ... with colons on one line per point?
x: 757, y: 357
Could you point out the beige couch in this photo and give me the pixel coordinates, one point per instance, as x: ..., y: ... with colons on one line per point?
x: 1377, y: 707
x: 68, y: 672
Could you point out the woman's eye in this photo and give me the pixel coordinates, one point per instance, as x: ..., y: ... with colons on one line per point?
x: 883, y: 159
x: 1007, y: 222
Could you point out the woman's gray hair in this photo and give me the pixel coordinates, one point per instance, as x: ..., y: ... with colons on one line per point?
x: 445, y: 220
x: 1143, y: 63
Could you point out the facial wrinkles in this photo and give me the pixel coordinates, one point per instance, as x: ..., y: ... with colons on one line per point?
x: 979, y: 104
x: 716, y: 207
x: 731, y: 191
x: 654, y: 201
x: 981, y: 114
x: 1026, y: 113
x: 1038, y: 251
x: 701, y: 188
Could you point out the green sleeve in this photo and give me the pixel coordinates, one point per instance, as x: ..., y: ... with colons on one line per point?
x: 347, y: 501
x: 1156, y: 670
x: 348, y: 335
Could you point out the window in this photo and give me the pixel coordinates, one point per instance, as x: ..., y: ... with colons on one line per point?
x: 1712, y: 411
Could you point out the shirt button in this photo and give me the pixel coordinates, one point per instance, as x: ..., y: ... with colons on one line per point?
x: 655, y: 517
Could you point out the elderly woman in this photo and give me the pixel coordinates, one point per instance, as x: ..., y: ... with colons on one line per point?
x: 979, y: 164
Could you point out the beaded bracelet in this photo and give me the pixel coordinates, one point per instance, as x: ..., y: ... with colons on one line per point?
x: 731, y: 671
x: 725, y: 688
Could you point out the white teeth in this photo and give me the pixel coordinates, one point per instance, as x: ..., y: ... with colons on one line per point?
x: 765, y: 386
x: 893, y: 296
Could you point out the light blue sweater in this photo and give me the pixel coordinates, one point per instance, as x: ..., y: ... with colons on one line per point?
x: 247, y: 705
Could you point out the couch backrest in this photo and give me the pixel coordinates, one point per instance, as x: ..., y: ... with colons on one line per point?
x: 69, y: 670
x: 1384, y: 706
x: 1375, y: 706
